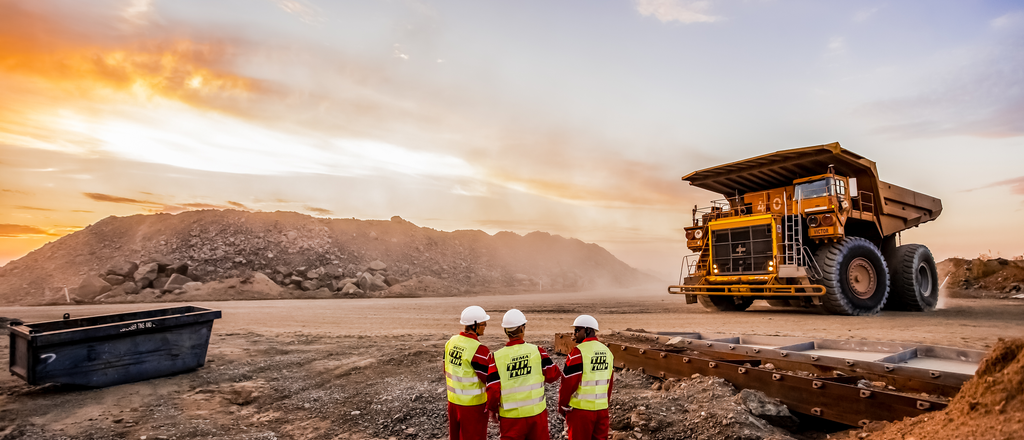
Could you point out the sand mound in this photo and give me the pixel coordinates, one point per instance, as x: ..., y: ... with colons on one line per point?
x: 995, y: 275
x: 989, y: 406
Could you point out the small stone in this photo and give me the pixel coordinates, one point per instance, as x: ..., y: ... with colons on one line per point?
x: 656, y: 386
x: 769, y: 366
x: 118, y: 420
x: 355, y: 413
x: 695, y: 376
x: 878, y: 384
x: 410, y: 431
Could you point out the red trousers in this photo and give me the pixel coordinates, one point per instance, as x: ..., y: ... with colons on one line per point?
x: 587, y: 425
x: 467, y: 422
x: 526, y: 428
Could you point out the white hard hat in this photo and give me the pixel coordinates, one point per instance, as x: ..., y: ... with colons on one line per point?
x: 585, y: 321
x: 513, y: 318
x: 473, y: 315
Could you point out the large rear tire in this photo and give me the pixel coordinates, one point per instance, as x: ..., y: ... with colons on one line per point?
x: 914, y: 279
x: 855, y: 277
x: 724, y: 303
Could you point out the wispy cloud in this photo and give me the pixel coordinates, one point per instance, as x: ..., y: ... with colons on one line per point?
x: 1016, y: 185
x: 238, y: 205
x: 318, y: 211
x: 14, y: 231
x: 683, y: 11
x: 982, y: 96
x: 33, y: 208
x: 864, y: 14
x: 305, y: 10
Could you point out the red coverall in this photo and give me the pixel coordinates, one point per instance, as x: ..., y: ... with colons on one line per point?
x: 526, y: 428
x: 583, y: 424
x: 470, y: 422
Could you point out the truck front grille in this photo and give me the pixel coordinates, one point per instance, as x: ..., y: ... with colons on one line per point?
x: 742, y: 250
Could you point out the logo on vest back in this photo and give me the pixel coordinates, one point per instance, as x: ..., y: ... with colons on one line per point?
x: 519, y: 366
x: 455, y: 355
x: 599, y: 361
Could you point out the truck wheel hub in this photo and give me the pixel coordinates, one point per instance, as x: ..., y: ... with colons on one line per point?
x: 861, y: 277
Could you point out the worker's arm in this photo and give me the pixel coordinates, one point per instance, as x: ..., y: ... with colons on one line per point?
x: 493, y: 387
x: 572, y: 374
x: 482, y: 360
x: 551, y: 371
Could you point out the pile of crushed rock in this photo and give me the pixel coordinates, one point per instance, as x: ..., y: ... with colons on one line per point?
x: 302, y: 254
x: 993, y: 275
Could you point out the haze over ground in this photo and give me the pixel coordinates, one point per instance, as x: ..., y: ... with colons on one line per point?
x: 575, y: 117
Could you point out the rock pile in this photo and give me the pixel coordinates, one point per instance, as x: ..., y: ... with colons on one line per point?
x: 158, y: 275
x: 994, y: 275
x: 304, y: 254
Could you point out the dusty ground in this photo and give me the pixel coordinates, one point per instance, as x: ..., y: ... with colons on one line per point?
x: 370, y: 368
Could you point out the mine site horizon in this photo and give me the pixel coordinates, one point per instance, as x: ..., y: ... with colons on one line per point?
x: 708, y: 219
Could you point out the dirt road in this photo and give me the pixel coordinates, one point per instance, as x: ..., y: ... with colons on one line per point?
x: 369, y: 368
x: 968, y: 323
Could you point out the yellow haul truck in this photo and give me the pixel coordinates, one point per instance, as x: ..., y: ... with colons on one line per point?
x: 806, y: 227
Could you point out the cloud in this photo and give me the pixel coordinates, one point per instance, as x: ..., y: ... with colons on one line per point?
x: 15, y: 231
x: 864, y: 14
x: 305, y: 10
x: 122, y: 200
x: 238, y: 205
x: 981, y: 96
x: 318, y: 211
x: 683, y: 11
x: 1016, y: 185
x: 139, y: 11
x: 33, y: 208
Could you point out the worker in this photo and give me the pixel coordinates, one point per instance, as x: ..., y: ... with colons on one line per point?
x: 465, y: 372
x: 587, y: 384
x: 515, y: 383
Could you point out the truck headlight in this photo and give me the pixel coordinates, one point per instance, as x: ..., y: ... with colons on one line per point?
x: 698, y: 234
x: 812, y: 221
x: 828, y: 219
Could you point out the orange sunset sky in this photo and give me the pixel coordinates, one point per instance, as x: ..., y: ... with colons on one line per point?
x: 572, y: 117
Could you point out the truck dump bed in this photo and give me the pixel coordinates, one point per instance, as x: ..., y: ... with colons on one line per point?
x: 897, y: 208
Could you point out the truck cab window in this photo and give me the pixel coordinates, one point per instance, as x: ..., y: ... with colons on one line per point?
x: 817, y: 188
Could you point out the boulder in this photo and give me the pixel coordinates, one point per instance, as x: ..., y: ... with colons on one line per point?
x: 162, y: 261
x: 349, y: 289
x: 159, y: 283
x: 377, y: 265
x: 179, y: 268
x: 278, y: 278
x: 114, y: 280
x: 284, y: 271
x: 129, y: 288
x: 309, y: 285
x: 294, y: 280
x: 175, y: 282
x: 123, y: 269
x: 193, y: 274
x: 312, y: 275
x: 147, y: 273
x: 368, y: 283
x: 92, y: 287
x: 392, y: 281
x: 767, y: 408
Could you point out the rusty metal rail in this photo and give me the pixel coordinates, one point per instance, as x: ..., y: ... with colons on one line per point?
x: 833, y: 398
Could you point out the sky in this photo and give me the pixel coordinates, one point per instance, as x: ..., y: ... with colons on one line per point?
x: 574, y: 117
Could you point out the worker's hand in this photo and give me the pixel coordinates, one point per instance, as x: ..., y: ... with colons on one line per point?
x: 493, y: 415
x: 563, y: 410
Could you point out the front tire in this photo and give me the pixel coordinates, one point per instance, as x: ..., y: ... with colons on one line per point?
x: 915, y: 281
x: 723, y: 303
x: 855, y: 277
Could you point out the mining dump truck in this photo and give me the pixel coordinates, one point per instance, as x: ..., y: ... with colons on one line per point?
x: 807, y: 227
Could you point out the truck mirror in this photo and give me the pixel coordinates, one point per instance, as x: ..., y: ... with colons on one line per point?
x: 853, y: 187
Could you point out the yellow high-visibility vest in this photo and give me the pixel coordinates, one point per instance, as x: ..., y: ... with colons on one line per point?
x: 597, y: 373
x: 522, y: 381
x: 464, y: 387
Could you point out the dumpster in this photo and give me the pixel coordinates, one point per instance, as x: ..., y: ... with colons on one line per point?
x: 105, y: 350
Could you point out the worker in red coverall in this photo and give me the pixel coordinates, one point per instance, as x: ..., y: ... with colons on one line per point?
x: 515, y: 383
x: 587, y: 384
x: 465, y: 373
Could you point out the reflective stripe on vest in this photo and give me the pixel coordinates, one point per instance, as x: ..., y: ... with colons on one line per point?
x: 597, y: 373
x: 522, y: 381
x: 464, y: 387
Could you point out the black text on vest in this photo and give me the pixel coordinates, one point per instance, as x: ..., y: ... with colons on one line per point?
x: 599, y: 362
x: 455, y: 355
x: 519, y: 366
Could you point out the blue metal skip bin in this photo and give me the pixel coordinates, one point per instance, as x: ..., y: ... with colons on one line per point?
x: 104, y: 350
